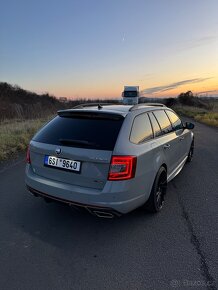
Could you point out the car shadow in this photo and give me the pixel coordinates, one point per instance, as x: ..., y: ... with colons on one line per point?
x: 67, y: 228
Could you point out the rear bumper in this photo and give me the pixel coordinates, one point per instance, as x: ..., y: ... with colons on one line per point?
x: 93, y: 209
x: 119, y: 198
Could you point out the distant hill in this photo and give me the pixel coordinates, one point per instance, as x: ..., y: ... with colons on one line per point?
x: 16, y: 102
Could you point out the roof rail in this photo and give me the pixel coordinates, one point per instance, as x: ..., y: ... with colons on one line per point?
x: 138, y: 106
x: 99, y: 105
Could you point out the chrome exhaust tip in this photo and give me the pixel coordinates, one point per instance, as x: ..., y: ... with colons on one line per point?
x: 103, y: 214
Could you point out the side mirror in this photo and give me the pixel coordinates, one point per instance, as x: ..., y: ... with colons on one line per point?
x: 189, y: 125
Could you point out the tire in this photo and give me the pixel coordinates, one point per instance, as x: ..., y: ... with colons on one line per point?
x: 156, y: 199
x: 191, y: 152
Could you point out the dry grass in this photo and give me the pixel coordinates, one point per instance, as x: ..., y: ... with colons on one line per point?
x: 16, y: 134
x: 209, y: 117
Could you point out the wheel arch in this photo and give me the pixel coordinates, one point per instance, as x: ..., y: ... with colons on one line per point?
x: 164, y: 165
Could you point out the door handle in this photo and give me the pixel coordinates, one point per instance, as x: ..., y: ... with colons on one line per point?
x: 166, y: 146
x: 181, y: 138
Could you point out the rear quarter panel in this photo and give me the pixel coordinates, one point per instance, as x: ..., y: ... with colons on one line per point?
x: 149, y: 159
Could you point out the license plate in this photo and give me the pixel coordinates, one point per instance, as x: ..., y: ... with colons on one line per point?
x: 62, y: 163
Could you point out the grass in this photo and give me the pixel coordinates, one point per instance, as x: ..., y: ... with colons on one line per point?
x: 209, y: 117
x: 16, y: 134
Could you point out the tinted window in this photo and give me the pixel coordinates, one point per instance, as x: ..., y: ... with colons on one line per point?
x: 176, y: 122
x: 130, y: 94
x: 164, y: 121
x: 141, y: 129
x: 80, y: 132
x: 155, y: 125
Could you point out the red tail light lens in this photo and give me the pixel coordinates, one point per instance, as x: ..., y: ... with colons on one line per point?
x: 28, y: 155
x: 122, y: 167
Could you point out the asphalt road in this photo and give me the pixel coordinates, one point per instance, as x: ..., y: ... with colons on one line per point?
x: 51, y: 246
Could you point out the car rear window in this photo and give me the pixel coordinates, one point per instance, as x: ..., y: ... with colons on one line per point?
x: 155, y: 125
x: 80, y: 132
x: 141, y: 129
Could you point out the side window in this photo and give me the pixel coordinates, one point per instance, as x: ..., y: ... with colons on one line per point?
x: 164, y: 121
x: 141, y: 129
x: 176, y: 122
x: 155, y: 125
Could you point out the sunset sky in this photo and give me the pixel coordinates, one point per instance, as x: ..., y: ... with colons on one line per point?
x: 92, y: 48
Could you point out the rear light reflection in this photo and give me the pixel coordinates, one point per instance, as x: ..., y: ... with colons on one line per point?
x: 28, y: 155
x: 122, y: 167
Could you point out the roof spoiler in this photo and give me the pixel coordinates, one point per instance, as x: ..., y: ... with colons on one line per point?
x: 99, y: 105
x: 89, y: 114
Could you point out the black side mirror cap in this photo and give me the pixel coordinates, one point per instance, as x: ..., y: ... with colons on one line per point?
x: 189, y: 125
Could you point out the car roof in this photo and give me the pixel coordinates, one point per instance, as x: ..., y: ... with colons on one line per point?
x: 118, y: 109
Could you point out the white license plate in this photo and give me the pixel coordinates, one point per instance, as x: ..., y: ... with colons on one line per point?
x: 62, y: 163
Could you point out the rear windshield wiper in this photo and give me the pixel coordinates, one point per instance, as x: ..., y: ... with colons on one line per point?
x: 77, y: 142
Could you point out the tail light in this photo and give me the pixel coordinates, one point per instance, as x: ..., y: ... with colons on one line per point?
x: 28, y: 155
x: 122, y: 167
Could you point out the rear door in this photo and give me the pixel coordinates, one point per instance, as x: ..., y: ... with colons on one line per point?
x: 87, y: 137
x: 169, y: 141
x: 182, y: 134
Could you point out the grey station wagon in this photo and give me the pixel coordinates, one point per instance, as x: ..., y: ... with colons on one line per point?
x: 109, y: 159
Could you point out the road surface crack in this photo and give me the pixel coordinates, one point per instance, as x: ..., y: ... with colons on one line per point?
x: 205, y: 272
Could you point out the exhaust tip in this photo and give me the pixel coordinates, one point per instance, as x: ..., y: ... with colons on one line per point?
x: 103, y: 214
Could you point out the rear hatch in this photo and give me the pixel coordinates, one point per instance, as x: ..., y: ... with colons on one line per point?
x: 87, y: 137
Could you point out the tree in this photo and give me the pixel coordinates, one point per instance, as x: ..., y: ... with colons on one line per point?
x: 169, y: 102
x: 186, y: 98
